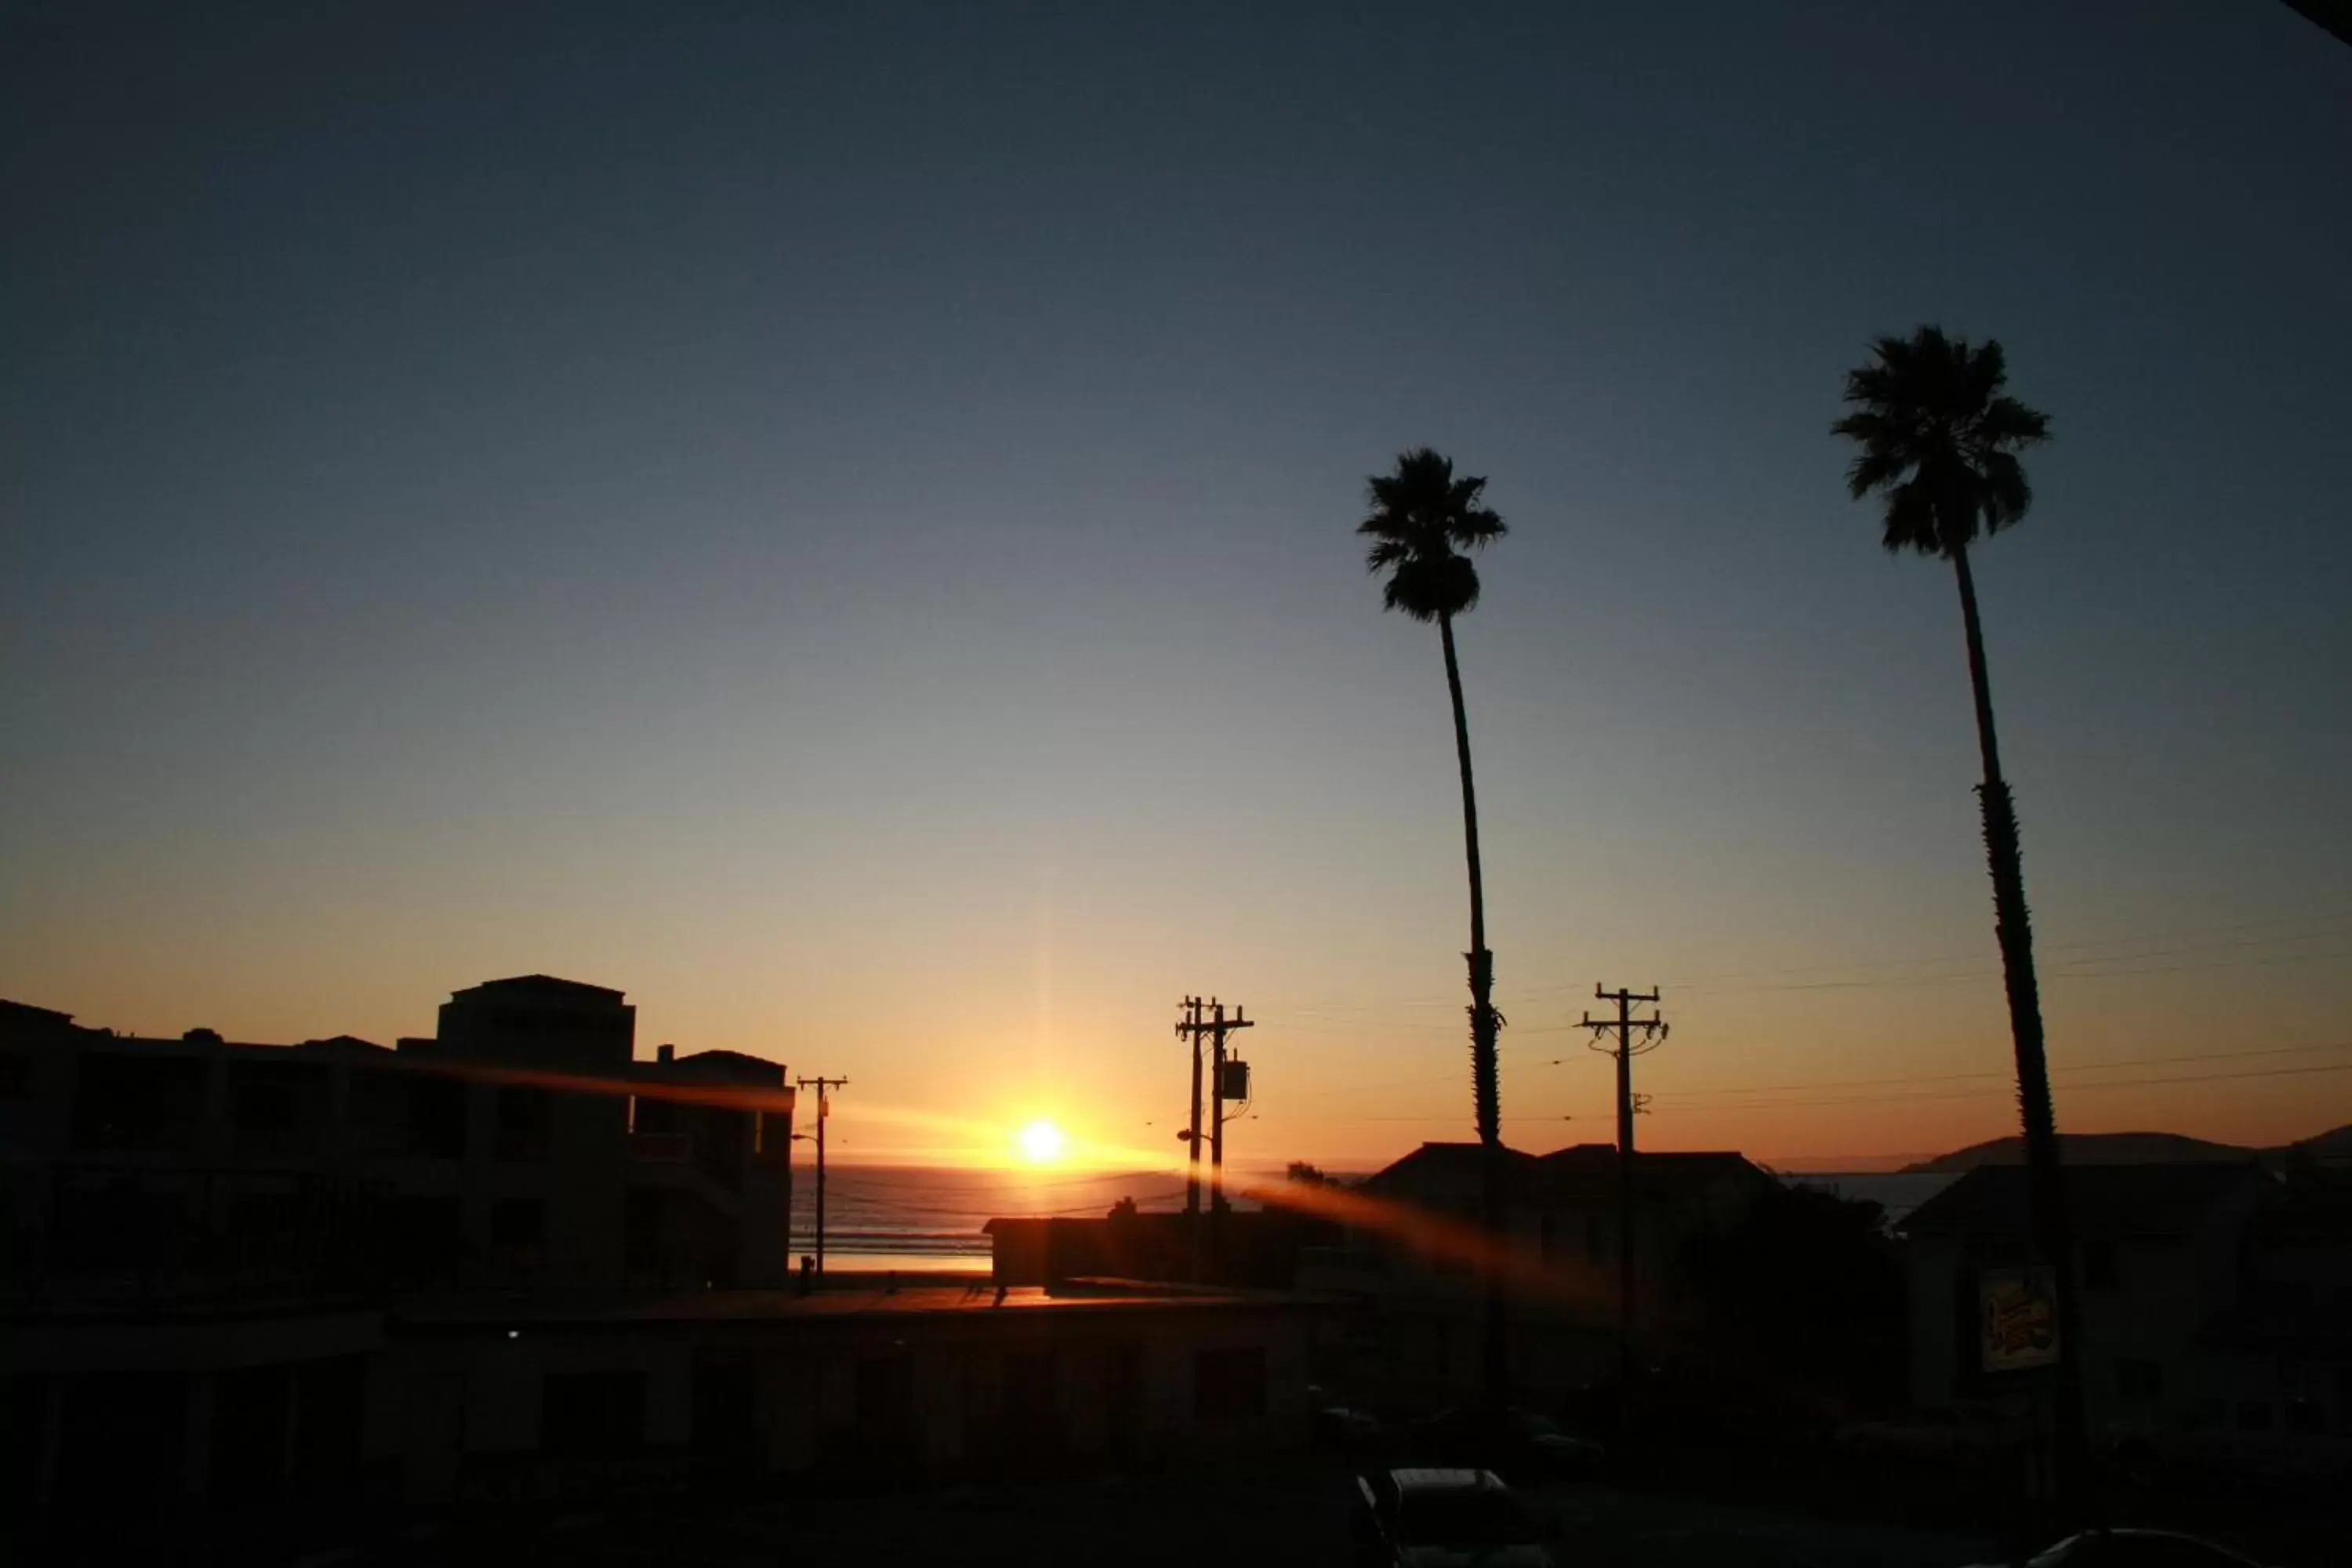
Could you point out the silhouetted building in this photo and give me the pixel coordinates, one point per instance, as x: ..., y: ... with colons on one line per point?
x: 1258, y: 1247
x: 264, y: 1290
x: 2214, y: 1303
x: 920, y: 1381
x: 521, y: 1147
x: 208, y: 1247
x: 1413, y: 1336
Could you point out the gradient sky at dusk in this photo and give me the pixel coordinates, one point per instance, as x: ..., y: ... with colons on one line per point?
x: 837, y: 521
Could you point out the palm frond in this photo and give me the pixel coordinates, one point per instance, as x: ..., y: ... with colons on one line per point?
x: 1428, y: 586
x: 1423, y: 516
x: 2009, y: 423
x: 1874, y: 467
x: 1910, y: 519
x: 1938, y: 438
x: 2008, y: 495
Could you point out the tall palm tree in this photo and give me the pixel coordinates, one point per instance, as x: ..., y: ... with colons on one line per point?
x: 1423, y: 520
x: 1940, y: 438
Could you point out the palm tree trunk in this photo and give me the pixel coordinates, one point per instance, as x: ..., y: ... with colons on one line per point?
x: 2012, y: 928
x: 1485, y: 1076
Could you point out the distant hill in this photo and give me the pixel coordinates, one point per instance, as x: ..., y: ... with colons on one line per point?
x: 2329, y: 1146
x: 2089, y: 1149
x: 2133, y: 1149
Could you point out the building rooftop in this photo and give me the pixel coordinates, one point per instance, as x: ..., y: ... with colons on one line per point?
x: 24, y: 1015
x: 1668, y: 1172
x: 722, y: 1066
x: 866, y: 1300
x: 1660, y: 1165
x: 2104, y: 1200
x: 545, y: 984
x: 1449, y: 1160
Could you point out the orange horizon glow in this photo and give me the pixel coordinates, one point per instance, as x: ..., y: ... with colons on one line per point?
x: 1794, y: 1077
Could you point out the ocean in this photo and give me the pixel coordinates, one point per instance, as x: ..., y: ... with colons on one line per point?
x: 1896, y: 1192
x: 929, y: 1218
x: 914, y: 1217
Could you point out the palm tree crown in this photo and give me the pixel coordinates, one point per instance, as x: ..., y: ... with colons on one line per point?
x: 1422, y: 519
x: 1938, y: 437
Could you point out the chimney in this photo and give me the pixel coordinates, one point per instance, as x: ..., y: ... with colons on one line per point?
x: 665, y: 1053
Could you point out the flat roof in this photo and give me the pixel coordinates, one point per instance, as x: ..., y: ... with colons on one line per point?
x: 866, y: 1299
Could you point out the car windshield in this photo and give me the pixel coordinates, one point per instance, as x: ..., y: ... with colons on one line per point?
x: 1537, y: 1426
x: 1464, y: 1517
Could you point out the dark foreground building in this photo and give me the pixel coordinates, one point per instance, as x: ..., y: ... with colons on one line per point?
x: 283, y: 1291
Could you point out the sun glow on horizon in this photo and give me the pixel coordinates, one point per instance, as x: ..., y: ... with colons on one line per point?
x: 1040, y: 1143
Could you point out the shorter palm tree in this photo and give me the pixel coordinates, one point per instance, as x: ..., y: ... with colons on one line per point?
x: 1424, y: 520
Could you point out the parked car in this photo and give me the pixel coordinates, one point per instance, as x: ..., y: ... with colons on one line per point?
x: 1440, y: 1518
x: 1937, y: 1435
x: 1518, y: 1444
x: 2294, y: 1453
x: 1347, y: 1431
x: 1713, y: 1549
x: 2136, y: 1549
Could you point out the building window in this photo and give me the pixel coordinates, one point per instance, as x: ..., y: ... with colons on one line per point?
x: 593, y: 1414
x: 720, y: 1139
x: 2254, y: 1415
x: 436, y: 1117
x: 15, y: 1073
x: 2102, y: 1270
x: 886, y: 1404
x: 1229, y: 1384
x: 641, y: 1230
x: 775, y: 1137
x: 154, y: 1104
x: 2139, y: 1379
x: 526, y: 1123
x: 2305, y: 1415
x: 519, y: 1223
x: 1029, y: 1409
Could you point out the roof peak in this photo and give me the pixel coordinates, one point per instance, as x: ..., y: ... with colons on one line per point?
x: 544, y: 983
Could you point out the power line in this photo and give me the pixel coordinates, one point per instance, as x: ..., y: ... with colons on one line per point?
x: 1726, y: 1091
x: 1708, y: 980
x: 1673, y: 1098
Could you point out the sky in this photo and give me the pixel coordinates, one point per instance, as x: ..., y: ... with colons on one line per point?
x: 838, y: 523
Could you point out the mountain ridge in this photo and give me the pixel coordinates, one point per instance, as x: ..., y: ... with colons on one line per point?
x: 2133, y: 1149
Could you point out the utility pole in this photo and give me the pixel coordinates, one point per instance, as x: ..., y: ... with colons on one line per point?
x: 1222, y: 1081
x: 1227, y: 1080
x: 1188, y: 1027
x: 1653, y: 1032
x: 824, y: 1085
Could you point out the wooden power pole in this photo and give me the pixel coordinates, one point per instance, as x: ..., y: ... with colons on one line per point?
x: 1227, y: 1073
x: 1653, y: 1033
x: 823, y: 1086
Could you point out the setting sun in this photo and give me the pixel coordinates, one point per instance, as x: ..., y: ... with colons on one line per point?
x: 1040, y: 1143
